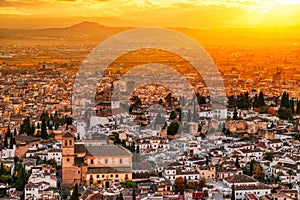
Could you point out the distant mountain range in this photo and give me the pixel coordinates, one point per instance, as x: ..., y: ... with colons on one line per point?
x: 94, y: 32
x: 83, y: 30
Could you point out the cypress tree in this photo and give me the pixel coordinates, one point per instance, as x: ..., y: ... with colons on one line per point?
x: 8, y: 132
x: 120, y: 197
x: 232, y: 192
x: 5, y: 141
x: 2, y: 169
x: 298, y: 107
x: 235, y: 114
x: 44, y: 134
x: 285, y: 100
x: 133, y: 194
x: 195, y: 114
x: 189, y: 116
x: 11, y: 142
x: 237, y: 164
x: 261, y: 99
x: 256, y: 101
x: 75, y: 195
x: 231, y: 101
x: 292, y: 106
x: 173, y: 115
x: 251, y: 171
x: 22, y: 179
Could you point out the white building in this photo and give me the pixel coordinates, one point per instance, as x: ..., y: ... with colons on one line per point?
x: 55, y: 154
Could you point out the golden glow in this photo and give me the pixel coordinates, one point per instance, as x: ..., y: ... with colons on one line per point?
x: 187, y: 13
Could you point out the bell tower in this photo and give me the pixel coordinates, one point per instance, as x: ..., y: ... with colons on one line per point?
x: 67, y: 149
x: 69, y: 171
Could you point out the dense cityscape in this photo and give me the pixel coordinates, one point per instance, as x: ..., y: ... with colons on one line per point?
x: 148, y: 126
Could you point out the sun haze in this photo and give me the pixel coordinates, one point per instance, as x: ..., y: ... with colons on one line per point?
x: 166, y: 13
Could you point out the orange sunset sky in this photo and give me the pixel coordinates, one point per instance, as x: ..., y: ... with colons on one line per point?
x: 166, y: 13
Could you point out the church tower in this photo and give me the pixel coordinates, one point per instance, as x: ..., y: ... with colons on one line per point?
x: 68, y: 159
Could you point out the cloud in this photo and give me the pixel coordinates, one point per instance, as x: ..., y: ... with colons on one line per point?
x: 12, y: 11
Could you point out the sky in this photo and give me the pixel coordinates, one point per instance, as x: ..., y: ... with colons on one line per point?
x: 165, y: 13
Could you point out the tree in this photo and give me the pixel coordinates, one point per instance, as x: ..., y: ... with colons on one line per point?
x: 75, y: 195
x: 159, y: 119
x: 180, y: 184
x: 25, y: 126
x: 189, y: 116
x: 202, y: 183
x: 285, y: 113
x: 168, y: 99
x: 258, y: 174
x: 11, y: 142
x: 38, y: 126
x: 292, y: 106
x: 251, y: 170
x: 4, y: 170
x: 228, y: 133
x: 120, y: 197
x: 256, y: 103
x: 160, y: 102
x: 5, y: 141
x: 269, y: 156
x: 285, y: 100
x: 196, y: 185
x: 195, y: 114
x: 235, y: 114
x: 44, y: 134
x: 173, y: 128
x: 201, y: 99
x: 298, y: 107
x: 261, y: 99
x: 133, y: 194
x: 232, y: 192
x: 22, y: 178
x: 128, y: 184
x: 173, y: 115
x: 32, y: 130
x: 231, y: 102
x: 8, y: 132
x: 297, y: 137
x: 237, y: 164
x: 264, y: 109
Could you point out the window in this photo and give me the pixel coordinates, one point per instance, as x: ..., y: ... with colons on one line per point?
x: 98, y: 176
x: 117, y: 175
x: 106, y: 161
x: 102, y: 176
x: 66, y: 142
x: 111, y: 175
x: 92, y: 161
x: 120, y: 160
x: 68, y: 159
x: 70, y: 142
